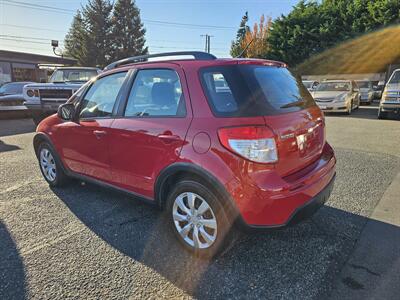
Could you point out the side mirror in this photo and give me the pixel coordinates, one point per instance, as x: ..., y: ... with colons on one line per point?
x: 66, y: 111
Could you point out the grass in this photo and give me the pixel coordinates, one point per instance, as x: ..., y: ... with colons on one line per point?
x: 370, y: 53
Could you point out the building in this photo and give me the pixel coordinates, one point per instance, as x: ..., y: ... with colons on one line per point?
x: 19, y: 66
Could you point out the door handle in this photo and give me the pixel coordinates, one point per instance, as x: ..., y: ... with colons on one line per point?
x: 169, y: 137
x: 99, y: 133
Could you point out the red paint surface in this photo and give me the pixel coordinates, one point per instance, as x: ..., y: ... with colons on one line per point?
x: 133, y: 151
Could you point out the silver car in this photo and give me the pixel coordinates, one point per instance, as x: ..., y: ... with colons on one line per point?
x: 337, y: 96
x: 311, y: 85
x: 367, y: 92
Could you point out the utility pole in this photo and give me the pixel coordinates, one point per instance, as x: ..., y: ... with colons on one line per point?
x: 207, y: 47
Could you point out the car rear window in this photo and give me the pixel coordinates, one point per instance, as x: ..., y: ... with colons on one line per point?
x: 253, y: 90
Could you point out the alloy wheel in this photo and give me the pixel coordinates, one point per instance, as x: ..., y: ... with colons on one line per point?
x: 48, y: 164
x: 194, y: 220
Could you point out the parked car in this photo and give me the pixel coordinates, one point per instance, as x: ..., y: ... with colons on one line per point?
x: 11, y: 97
x: 337, y: 96
x: 311, y: 85
x: 390, y: 101
x: 43, y: 99
x: 367, y: 93
x: 378, y: 88
x: 251, y: 154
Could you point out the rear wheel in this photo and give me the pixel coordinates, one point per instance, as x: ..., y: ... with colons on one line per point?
x: 197, y: 219
x: 50, y: 166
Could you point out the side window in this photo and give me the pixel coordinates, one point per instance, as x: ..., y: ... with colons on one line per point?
x: 220, y: 92
x: 100, y: 99
x: 156, y: 92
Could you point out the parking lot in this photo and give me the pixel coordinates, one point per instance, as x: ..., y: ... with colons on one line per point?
x: 88, y: 242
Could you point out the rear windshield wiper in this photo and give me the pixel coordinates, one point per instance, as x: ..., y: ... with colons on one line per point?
x: 296, y: 103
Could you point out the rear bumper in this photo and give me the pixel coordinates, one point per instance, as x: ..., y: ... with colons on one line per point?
x: 292, y: 199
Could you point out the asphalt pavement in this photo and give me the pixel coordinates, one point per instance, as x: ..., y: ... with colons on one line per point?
x: 89, y: 242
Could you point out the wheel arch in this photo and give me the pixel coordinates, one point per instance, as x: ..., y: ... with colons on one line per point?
x: 180, y: 171
x: 40, y: 138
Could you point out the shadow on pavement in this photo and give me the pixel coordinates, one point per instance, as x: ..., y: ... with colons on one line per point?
x: 17, y: 126
x: 289, y: 262
x: 369, y: 112
x: 6, y: 147
x: 12, y: 273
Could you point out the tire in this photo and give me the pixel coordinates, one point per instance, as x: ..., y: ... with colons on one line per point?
x: 50, y: 166
x: 211, y: 237
x: 382, y: 115
x: 348, y: 112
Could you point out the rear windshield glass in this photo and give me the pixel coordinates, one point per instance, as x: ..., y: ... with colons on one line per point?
x: 364, y: 84
x: 252, y: 90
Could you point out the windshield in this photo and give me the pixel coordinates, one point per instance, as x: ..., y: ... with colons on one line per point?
x: 339, y: 86
x: 73, y: 75
x: 12, y: 88
x: 364, y: 84
x: 252, y: 90
x: 395, y: 78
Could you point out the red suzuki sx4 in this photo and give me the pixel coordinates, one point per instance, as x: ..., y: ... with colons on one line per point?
x: 214, y: 143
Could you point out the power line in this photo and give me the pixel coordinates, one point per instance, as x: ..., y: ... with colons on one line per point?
x: 29, y: 27
x: 22, y: 41
x: 154, y: 22
x: 41, y: 9
x: 38, y: 6
x: 24, y: 37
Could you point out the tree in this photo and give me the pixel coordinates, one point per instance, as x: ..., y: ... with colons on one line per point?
x: 313, y: 26
x: 128, y: 32
x: 256, y: 40
x: 298, y: 35
x: 97, y: 21
x: 76, y: 40
x: 236, y: 47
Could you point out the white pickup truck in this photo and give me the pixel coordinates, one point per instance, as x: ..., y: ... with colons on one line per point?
x: 43, y: 99
x: 390, y: 101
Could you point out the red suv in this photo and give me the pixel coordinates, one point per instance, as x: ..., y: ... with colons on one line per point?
x: 212, y: 142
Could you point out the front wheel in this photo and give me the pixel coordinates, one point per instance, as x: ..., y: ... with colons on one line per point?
x: 350, y: 109
x: 382, y: 114
x: 50, y: 166
x: 197, y: 219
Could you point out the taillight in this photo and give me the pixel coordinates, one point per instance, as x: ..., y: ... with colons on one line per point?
x: 255, y: 143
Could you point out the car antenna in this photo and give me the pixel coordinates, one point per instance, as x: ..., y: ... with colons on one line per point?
x: 245, y: 48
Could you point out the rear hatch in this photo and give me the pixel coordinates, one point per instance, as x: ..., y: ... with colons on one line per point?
x: 300, y: 137
x: 269, y: 90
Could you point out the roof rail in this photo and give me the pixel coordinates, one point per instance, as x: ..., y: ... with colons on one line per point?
x: 198, y: 55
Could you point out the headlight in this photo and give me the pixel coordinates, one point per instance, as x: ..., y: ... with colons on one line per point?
x: 389, y: 95
x: 32, y: 93
x: 341, y: 98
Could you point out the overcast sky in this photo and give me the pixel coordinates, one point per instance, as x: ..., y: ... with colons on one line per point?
x: 29, y: 25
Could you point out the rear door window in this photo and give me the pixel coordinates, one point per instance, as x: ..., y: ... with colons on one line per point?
x: 253, y: 90
x: 156, y: 93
